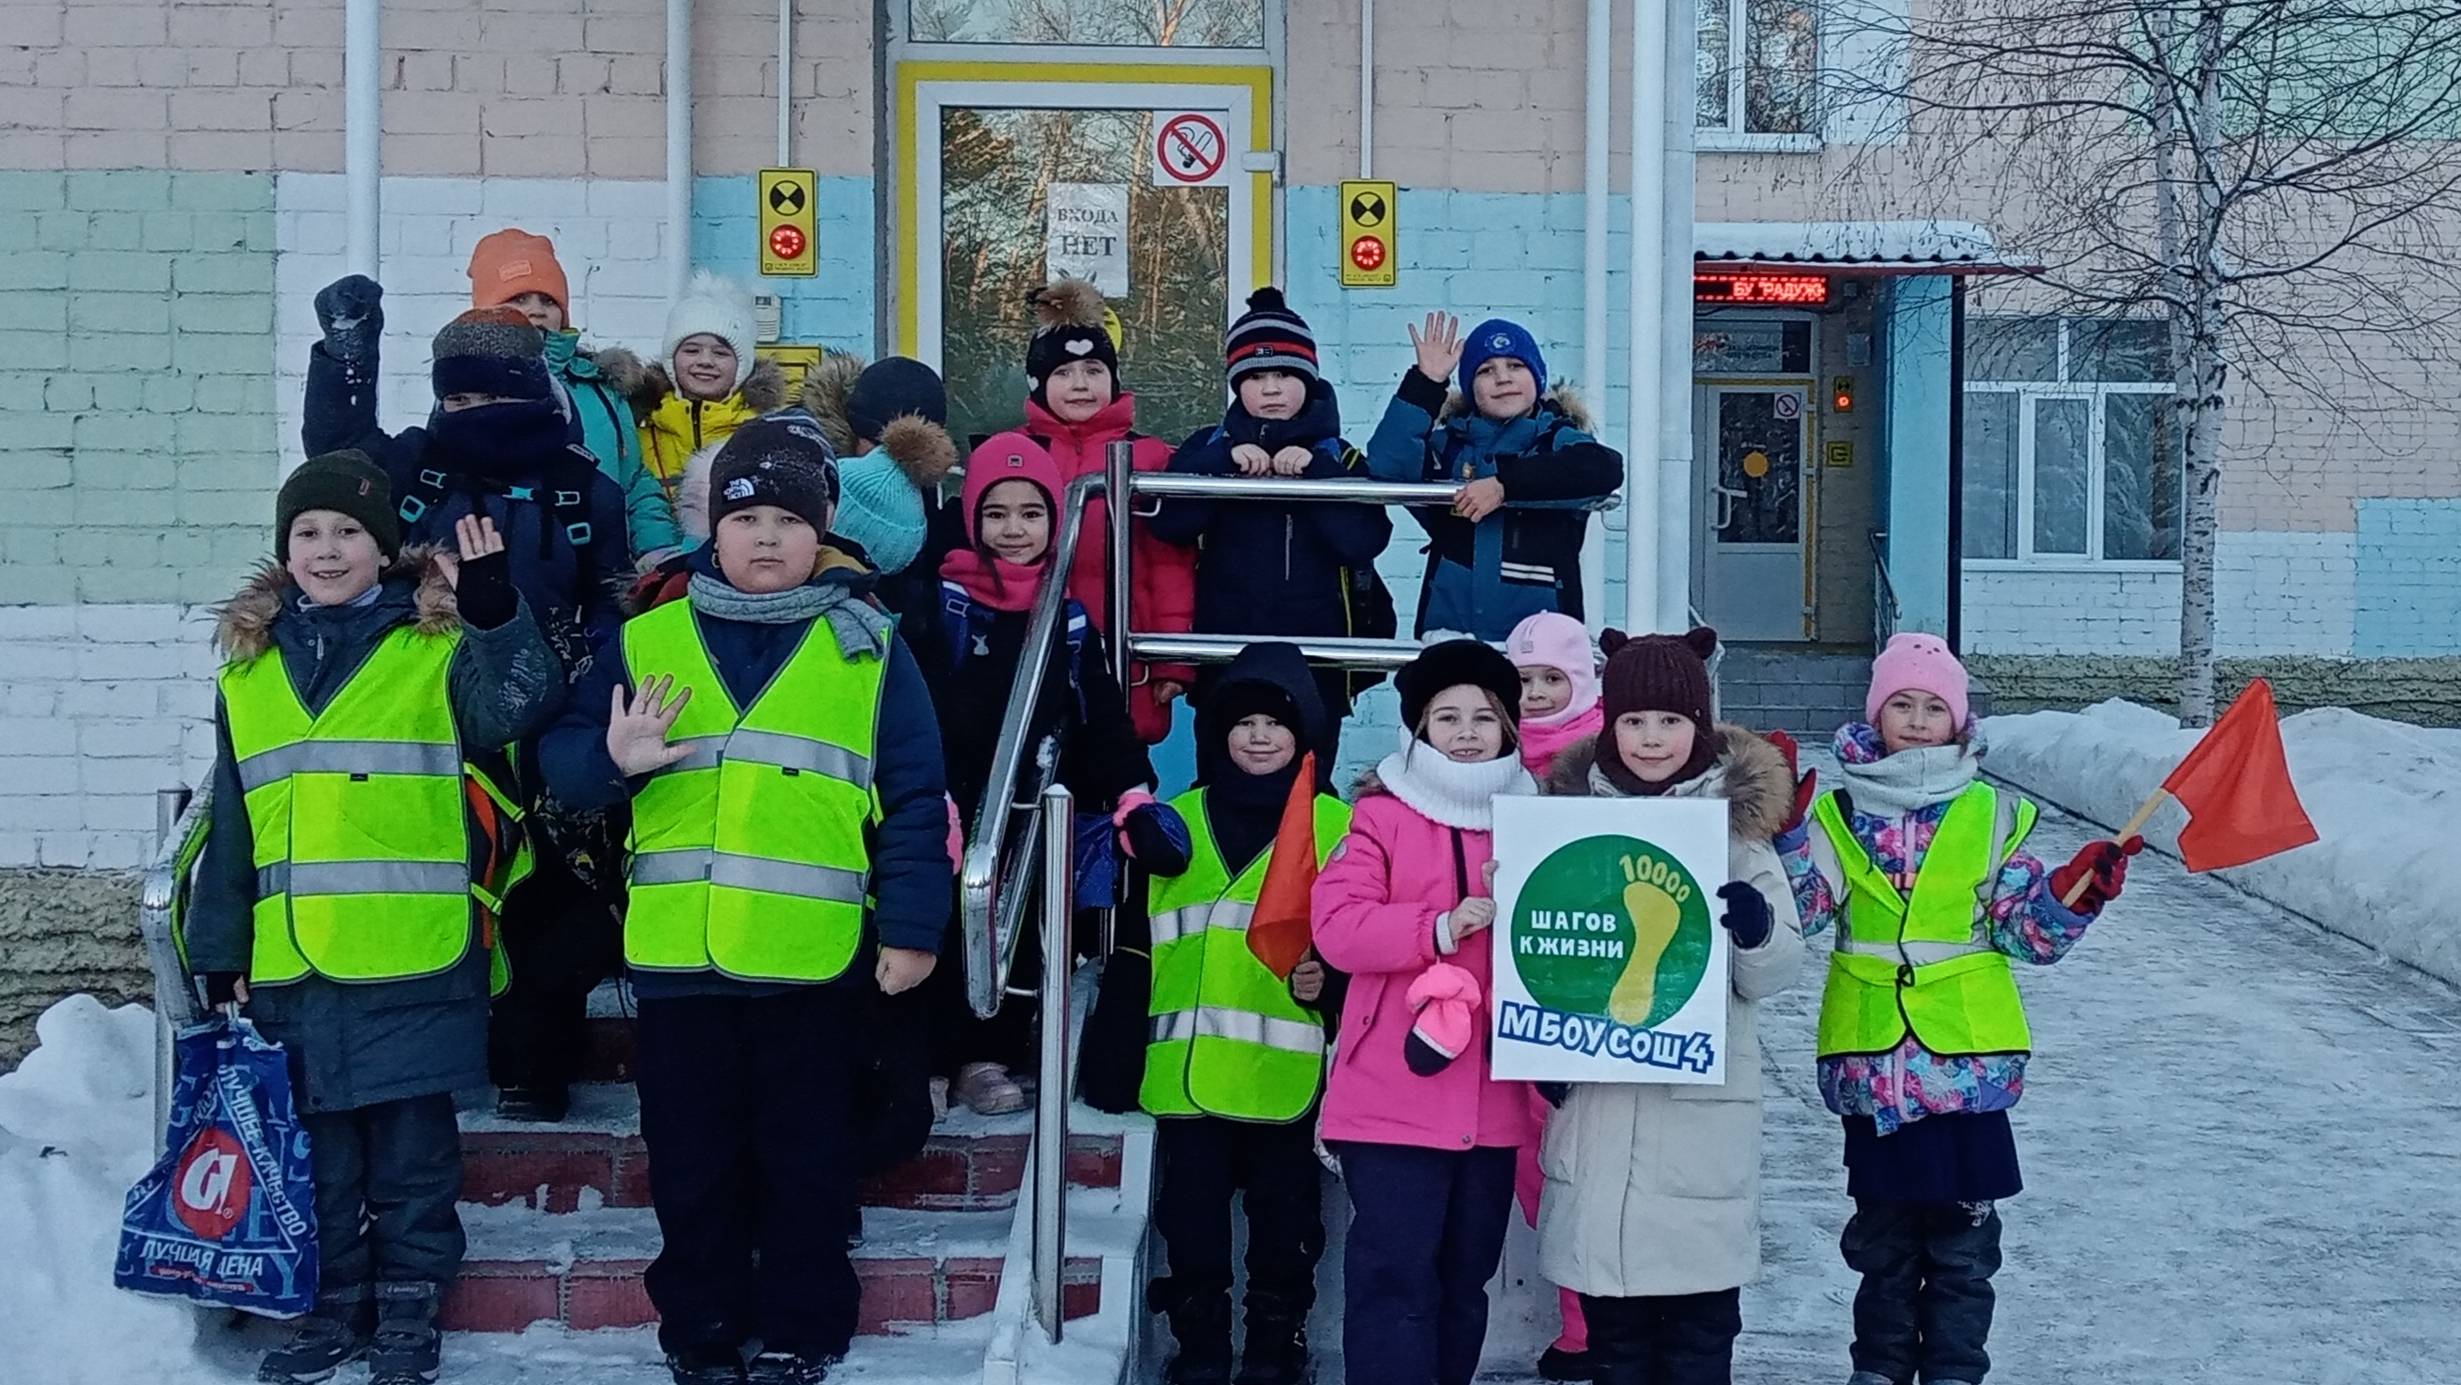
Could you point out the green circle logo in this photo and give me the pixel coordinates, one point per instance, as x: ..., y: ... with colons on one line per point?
x: 1612, y: 926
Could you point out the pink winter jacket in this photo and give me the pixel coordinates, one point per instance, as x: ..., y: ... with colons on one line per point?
x: 1375, y: 910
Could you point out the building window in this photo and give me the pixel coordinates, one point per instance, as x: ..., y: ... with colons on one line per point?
x: 1757, y: 64
x: 1112, y: 23
x: 2071, y: 453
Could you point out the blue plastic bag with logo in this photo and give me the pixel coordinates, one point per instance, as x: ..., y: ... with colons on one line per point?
x: 228, y: 1215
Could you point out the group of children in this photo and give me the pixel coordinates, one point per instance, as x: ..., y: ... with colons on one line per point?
x: 612, y: 659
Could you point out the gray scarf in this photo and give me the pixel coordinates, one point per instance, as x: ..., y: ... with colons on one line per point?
x: 859, y: 626
x: 1910, y: 779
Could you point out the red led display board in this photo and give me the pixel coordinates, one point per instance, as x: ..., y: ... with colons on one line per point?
x: 1751, y: 288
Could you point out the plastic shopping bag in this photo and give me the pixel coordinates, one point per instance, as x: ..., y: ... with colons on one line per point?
x: 228, y: 1215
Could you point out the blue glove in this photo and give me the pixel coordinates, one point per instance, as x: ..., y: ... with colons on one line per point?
x: 1747, y: 917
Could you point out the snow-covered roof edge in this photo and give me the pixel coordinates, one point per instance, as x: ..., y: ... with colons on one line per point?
x: 1913, y: 245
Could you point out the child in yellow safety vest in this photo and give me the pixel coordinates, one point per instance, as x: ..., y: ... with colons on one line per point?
x: 346, y: 892
x: 1919, y: 867
x: 1234, y: 1062
x: 789, y: 866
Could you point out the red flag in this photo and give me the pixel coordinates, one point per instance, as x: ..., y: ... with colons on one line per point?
x: 1278, y: 932
x: 2236, y: 787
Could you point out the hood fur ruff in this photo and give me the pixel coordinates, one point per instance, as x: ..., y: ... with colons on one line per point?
x: 243, y: 626
x: 921, y: 448
x: 825, y: 390
x: 1561, y: 397
x: 1759, y: 795
x: 1066, y: 303
x: 692, y: 493
x: 622, y: 371
x: 763, y: 390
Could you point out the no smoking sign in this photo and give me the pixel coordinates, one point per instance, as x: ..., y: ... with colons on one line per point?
x: 1191, y: 149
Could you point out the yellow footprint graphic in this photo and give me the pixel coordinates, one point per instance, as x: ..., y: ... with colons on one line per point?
x: 1655, y: 917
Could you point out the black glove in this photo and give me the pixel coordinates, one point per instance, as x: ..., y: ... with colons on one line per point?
x: 1747, y: 915
x: 485, y: 591
x: 1155, y: 848
x: 350, y: 312
x: 1556, y: 1093
x: 221, y: 988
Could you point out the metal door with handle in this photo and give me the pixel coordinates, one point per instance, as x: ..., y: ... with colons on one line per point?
x: 1758, y: 438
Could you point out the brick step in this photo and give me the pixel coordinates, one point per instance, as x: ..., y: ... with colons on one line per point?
x: 584, y: 1270
x: 595, y: 1159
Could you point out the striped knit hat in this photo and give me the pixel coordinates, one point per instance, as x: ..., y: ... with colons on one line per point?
x: 1269, y: 336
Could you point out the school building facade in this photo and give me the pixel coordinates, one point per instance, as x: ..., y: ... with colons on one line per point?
x: 1877, y: 443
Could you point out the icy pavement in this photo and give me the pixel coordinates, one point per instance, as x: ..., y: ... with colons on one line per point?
x: 2241, y: 1138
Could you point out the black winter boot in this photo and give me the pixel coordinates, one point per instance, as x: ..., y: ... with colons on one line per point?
x: 706, y: 1366
x: 788, y: 1368
x: 408, y: 1347
x: 320, y: 1345
x: 1276, y: 1349
x: 1201, y: 1324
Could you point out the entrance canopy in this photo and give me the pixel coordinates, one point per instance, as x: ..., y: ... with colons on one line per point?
x: 1884, y: 247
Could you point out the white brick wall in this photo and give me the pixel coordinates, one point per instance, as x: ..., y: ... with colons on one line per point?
x: 100, y: 705
x: 2281, y: 593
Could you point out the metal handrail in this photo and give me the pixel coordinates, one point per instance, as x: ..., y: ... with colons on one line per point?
x: 178, y: 816
x: 981, y: 876
x: 1051, y: 1095
x: 1885, y: 612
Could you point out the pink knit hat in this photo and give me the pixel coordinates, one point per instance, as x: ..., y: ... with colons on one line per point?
x: 1551, y: 639
x: 1920, y: 663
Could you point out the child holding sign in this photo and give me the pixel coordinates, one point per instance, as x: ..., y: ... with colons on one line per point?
x: 1426, y: 1137
x: 1923, y: 1040
x: 1652, y: 1204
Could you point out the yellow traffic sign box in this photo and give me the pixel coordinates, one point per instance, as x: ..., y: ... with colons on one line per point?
x: 1368, y: 248
x: 790, y: 222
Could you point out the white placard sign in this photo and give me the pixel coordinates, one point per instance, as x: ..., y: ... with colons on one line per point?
x: 1086, y: 234
x: 1610, y: 964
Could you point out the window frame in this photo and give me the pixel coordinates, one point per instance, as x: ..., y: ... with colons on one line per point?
x: 2098, y: 393
x: 1731, y: 137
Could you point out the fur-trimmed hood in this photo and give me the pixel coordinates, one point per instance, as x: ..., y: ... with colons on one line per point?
x: 620, y: 370
x: 922, y: 449
x: 243, y: 626
x: 763, y: 390
x: 692, y: 493
x: 1759, y: 794
x: 1560, y: 397
x: 826, y: 388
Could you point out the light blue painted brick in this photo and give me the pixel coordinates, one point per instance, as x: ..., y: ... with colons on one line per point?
x: 120, y: 271
x: 28, y: 431
x: 222, y: 312
x: 34, y: 269
x: 223, y: 192
x: 119, y: 190
x: 110, y: 231
x: 197, y: 352
x: 20, y: 231
x: 118, y: 393
x: 61, y: 230
x: 166, y: 231
x: 34, y: 311
x: 30, y: 190
x: 224, y: 273
x: 89, y: 311
x: 29, y: 350
x: 240, y: 433
x: 2408, y: 578
x: 115, y: 351
x: 835, y: 307
x: 170, y: 394
x: 115, y: 432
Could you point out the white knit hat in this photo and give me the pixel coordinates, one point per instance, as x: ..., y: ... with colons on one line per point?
x: 720, y: 308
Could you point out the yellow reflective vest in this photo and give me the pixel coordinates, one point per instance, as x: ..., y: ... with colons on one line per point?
x: 361, y: 824
x: 1226, y: 1039
x: 1925, y: 962
x: 751, y: 856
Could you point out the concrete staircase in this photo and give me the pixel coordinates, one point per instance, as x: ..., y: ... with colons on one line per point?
x: 561, y: 1229
x: 1806, y: 691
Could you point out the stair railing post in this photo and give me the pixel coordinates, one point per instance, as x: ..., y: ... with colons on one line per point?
x: 161, y: 952
x: 1051, y: 1096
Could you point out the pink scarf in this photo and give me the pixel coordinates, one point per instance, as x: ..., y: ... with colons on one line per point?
x: 1544, y: 738
x: 995, y: 582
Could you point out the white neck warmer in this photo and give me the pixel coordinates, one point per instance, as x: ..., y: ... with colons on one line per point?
x: 1455, y: 793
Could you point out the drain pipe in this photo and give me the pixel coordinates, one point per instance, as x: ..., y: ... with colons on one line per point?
x: 786, y: 83
x: 1367, y: 88
x: 1647, y: 390
x: 679, y: 146
x: 1676, y: 486
x: 363, y: 130
x: 1596, y: 114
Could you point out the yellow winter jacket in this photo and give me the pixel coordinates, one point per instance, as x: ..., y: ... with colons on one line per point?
x: 673, y: 427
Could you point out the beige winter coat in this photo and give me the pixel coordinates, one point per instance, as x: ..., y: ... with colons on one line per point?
x: 1654, y: 1190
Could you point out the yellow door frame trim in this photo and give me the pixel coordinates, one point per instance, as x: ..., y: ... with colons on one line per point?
x: 911, y: 75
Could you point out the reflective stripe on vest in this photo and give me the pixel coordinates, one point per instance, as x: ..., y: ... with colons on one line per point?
x: 751, y: 855
x: 1226, y: 1038
x: 361, y: 837
x: 1926, y: 964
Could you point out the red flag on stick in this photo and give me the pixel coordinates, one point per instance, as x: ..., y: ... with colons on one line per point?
x: 1279, y: 932
x: 2236, y: 787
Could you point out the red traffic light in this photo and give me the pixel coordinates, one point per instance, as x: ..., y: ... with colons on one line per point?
x: 1367, y: 252
x: 787, y: 242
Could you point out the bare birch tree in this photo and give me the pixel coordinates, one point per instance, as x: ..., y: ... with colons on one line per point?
x: 2278, y: 179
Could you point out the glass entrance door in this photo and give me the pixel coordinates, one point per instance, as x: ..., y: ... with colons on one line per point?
x: 1759, y: 436
x: 1018, y: 180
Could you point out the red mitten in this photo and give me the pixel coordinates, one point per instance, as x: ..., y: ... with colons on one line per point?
x: 1806, y: 783
x: 2104, y: 868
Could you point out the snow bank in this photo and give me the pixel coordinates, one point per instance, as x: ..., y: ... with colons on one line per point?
x: 2384, y: 796
x: 76, y: 1129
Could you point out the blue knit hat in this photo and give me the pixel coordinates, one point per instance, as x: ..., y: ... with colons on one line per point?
x: 1497, y: 337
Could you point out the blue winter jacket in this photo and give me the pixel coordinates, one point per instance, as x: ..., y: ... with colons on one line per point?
x: 1483, y: 579
x: 909, y: 846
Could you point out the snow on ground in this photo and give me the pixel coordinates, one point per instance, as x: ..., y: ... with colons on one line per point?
x: 2383, y: 794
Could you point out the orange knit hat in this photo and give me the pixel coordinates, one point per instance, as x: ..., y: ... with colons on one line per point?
x: 512, y: 262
